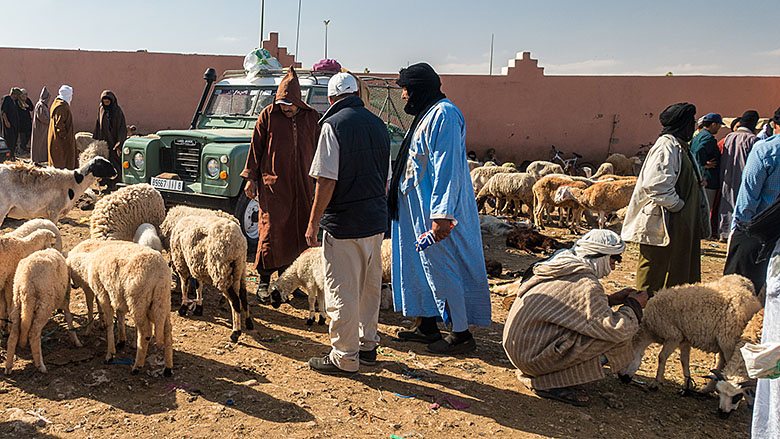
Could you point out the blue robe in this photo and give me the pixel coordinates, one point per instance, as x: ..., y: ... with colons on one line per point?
x: 437, y: 184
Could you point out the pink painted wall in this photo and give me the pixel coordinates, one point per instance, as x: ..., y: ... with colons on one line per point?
x: 523, y: 112
x: 155, y: 90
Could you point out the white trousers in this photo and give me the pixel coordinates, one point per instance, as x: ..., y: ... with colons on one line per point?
x: 353, y: 285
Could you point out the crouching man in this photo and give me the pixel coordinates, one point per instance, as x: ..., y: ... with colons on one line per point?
x: 561, y: 329
x: 351, y: 167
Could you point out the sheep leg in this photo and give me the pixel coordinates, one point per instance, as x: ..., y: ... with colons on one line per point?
x: 168, y: 348
x: 13, y: 339
x: 312, y: 298
x: 143, y: 332
x: 602, y: 220
x: 640, y: 346
x: 121, y: 330
x: 710, y: 387
x: 242, y: 297
x: 198, y: 298
x: 666, y: 350
x: 685, y: 362
x: 89, y: 297
x: 110, y: 346
x: 321, y: 303
x: 4, y: 314
x: 71, y: 330
x: 35, y: 343
x: 235, y: 307
x: 189, y: 287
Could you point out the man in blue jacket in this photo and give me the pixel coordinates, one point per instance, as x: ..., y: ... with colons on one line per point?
x: 704, y: 149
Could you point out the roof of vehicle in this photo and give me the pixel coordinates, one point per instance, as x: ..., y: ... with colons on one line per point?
x: 274, y: 77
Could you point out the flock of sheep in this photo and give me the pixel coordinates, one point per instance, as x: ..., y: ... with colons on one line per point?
x: 122, y: 269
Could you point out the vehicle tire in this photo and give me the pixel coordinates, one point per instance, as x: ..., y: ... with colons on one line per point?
x: 590, y: 165
x: 247, y: 212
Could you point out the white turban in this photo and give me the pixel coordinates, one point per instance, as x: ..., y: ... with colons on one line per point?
x: 66, y: 93
x: 592, y: 251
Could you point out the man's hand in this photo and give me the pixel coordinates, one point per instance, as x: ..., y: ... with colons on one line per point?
x: 7, y: 124
x: 639, y: 296
x: 441, y: 229
x: 711, y: 164
x: 311, y: 235
x: 619, y: 297
x: 703, y: 182
x: 250, y: 190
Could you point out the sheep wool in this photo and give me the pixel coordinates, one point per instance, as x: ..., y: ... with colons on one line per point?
x: 306, y: 273
x: 38, y: 224
x: 13, y: 250
x: 544, y: 195
x: 733, y: 382
x: 604, y: 169
x: 481, y: 175
x: 509, y: 188
x: 146, y: 235
x: 625, y: 165
x: 97, y: 148
x: 118, y: 215
x: 41, y: 285
x: 178, y: 212
x: 540, y: 168
x: 127, y: 278
x: 604, y: 198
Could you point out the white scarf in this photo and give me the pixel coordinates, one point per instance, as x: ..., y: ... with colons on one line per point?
x: 66, y: 93
x: 590, y: 253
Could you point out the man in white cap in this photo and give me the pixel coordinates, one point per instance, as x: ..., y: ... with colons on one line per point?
x: 62, y: 137
x: 561, y: 329
x: 351, y: 166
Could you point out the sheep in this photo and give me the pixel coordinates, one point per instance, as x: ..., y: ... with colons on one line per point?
x: 38, y: 224
x: 708, y: 316
x: 305, y: 273
x: 178, y: 212
x: 612, y: 177
x: 146, y: 235
x: 540, y: 168
x: 45, y: 192
x: 604, y: 169
x: 733, y: 381
x: 118, y: 215
x: 387, y: 261
x: 12, y: 250
x: 473, y: 164
x: 41, y: 285
x: 97, y: 148
x: 524, y: 238
x: 493, y: 226
x: 544, y: 193
x: 83, y: 140
x: 481, y: 175
x: 489, y: 164
x: 212, y: 250
x: 625, y: 165
x: 127, y: 278
x: 509, y: 188
x: 603, y: 198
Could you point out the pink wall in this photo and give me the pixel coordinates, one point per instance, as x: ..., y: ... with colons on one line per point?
x: 523, y: 112
x: 155, y: 90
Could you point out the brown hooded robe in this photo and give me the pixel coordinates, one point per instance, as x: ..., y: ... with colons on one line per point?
x: 111, y: 127
x: 62, y: 138
x: 39, y: 144
x: 279, y: 158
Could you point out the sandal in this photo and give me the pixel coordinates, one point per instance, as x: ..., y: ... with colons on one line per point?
x: 565, y: 394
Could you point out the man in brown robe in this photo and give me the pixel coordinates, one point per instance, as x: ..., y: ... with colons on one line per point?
x: 62, y: 138
x: 39, y: 145
x: 110, y: 126
x: 277, y: 175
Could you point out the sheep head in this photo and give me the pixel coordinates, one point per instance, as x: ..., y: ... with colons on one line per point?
x: 564, y: 193
x: 731, y: 390
x: 97, y: 167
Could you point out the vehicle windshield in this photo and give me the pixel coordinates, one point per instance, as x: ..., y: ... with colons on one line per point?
x: 242, y: 101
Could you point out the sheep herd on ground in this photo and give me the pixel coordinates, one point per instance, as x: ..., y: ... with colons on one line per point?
x: 122, y: 269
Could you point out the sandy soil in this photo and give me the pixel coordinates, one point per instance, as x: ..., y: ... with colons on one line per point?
x: 262, y: 386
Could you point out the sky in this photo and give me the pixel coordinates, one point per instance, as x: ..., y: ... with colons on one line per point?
x: 685, y: 37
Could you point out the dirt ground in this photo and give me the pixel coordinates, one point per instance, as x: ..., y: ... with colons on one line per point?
x: 262, y: 387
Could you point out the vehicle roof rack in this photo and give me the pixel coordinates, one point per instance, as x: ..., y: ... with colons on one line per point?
x: 301, y: 73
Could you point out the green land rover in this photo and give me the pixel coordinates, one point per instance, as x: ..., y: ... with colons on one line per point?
x: 200, y: 166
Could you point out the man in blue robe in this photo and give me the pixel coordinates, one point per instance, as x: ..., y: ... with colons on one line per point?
x: 431, y: 190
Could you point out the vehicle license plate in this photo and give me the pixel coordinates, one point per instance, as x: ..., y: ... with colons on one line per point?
x: 167, y: 184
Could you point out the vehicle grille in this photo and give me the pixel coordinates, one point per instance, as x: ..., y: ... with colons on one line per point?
x: 186, y: 159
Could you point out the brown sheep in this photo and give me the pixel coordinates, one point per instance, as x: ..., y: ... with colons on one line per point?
x: 603, y: 198
x: 544, y: 194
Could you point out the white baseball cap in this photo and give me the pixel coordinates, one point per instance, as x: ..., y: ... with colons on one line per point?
x: 342, y: 83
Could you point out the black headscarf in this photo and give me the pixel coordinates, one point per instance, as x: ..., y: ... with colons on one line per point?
x: 749, y: 120
x: 678, y: 120
x: 423, y: 86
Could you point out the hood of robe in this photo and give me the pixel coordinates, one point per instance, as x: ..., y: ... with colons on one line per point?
x: 108, y: 94
x: 45, y: 95
x: 290, y: 90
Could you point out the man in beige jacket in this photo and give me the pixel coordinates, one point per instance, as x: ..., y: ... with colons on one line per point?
x: 668, y: 212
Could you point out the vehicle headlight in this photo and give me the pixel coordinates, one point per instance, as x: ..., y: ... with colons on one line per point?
x: 126, y: 151
x: 224, y: 159
x: 138, y: 160
x: 212, y: 167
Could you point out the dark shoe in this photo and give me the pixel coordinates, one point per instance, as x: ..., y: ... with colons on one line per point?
x: 447, y: 346
x: 418, y: 336
x: 323, y: 365
x: 262, y: 293
x: 367, y: 358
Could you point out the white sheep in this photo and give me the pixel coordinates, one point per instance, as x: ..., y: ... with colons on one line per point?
x: 178, y: 212
x: 603, y: 198
x: 604, y: 169
x: 481, y: 175
x: 212, y: 250
x: 509, y: 188
x: 97, y: 148
x: 708, y: 316
x: 625, y: 165
x: 38, y: 224
x: 146, y: 235
x: 41, y: 285
x: 31, y: 192
x: 127, y: 278
x: 473, y: 164
x: 305, y: 273
x: 540, y: 168
x: 83, y: 140
x: 733, y: 382
x: 13, y: 250
x: 118, y: 215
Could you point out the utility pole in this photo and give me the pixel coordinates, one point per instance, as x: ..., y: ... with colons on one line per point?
x: 262, y: 19
x: 298, y: 30
x: 490, y: 71
x: 326, y: 37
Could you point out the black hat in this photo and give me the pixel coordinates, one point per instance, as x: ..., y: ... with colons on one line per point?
x: 749, y: 120
x: 776, y: 117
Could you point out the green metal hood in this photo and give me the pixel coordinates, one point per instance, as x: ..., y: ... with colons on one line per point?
x: 208, y: 136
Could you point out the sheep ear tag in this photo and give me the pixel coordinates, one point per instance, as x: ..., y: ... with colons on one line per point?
x: 79, y: 178
x: 71, y: 194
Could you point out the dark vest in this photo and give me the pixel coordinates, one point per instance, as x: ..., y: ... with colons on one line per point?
x: 358, y: 208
